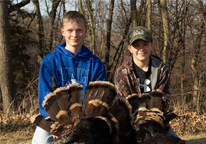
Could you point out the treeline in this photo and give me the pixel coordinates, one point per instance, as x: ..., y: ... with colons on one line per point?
x: 178, y: 29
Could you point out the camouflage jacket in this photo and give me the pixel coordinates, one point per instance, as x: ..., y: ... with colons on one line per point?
x: 126, y: 82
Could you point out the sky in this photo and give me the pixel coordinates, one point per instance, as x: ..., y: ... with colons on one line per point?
x: 70, y: 5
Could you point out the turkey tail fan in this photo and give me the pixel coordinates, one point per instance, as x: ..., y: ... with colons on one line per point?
x: 103, y: 90
x: 152, y: 128
x: 109, y: 94
x: 145, y: 115
x: 121, y: 110
x: 76, y: 112
x: 104, y: 109
x: 49, y: 105
x: 139, y: 117
x: 115, y: 116
x: 137, y: 101
x: 92, y: 90
x: 148, y: 123
x: 92, y: 108
x: 41, y: 122
x: 170, y: 115
x: 62, y: 96
x: 99, y: 117
x: 64, y: 118
x: 58, y: 106
x: 142, y: 111
x: 133, y: 101
x: 65, y: 94
x: 156, y: 115
x: 156, y: 99
x: 144, y: 99
x: 149, y: 119
x: 91, y: 127
x: 74, y: 93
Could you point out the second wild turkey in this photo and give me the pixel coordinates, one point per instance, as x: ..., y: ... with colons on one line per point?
x: 149, y: 119
x: 98, y: 119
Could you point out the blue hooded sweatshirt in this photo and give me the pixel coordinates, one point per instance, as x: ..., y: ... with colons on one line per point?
x: 60, y: 67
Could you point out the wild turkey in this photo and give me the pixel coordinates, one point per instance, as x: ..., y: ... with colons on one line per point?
x: 102, y: 118
x: 98, y: 119
x: 149, y: 121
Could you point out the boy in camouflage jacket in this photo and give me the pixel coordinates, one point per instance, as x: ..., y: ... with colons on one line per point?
x: 141, y: 72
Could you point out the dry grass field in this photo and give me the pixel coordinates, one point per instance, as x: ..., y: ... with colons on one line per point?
x: 24, y: 136
x: 18, y: 129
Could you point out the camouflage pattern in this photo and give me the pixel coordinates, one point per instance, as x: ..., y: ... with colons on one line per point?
x: 126, y: 82
x: 139, y: 32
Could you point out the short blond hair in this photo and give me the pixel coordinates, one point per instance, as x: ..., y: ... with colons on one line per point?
x: 74, y: 16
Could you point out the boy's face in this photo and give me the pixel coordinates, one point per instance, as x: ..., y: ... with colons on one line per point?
x: 140, y: 50
x: 74, y: 34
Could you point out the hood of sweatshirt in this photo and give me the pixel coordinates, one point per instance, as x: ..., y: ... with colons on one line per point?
x: 83, y: 53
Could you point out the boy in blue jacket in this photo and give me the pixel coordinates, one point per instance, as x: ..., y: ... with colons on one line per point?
x: 70, y: 62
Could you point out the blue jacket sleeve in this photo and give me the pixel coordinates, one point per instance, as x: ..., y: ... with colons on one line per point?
x: 44, y: 87
x: 100, y: 74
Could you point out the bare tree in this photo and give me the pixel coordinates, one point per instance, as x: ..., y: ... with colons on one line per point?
x: 119, y: 48
x: 91, y: 24
x: 133, y: 12
x: 18, y: 5
x: 149, y: 12
x: 5, y: 60
x: 141, y: 13
x: 109, y: 28
x: 182, y: 43
x: 179, y: 37
x: 80, y: 7
x: 40, y: 29
x: 52, y: 16
x: 196, y: 60
x: 163, y: 7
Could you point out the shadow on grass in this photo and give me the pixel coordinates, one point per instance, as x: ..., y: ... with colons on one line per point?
x: 196, y: 141
x: 16, y: 127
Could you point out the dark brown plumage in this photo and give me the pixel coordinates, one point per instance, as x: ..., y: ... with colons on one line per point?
x: 99, y: 119
x: 102, y: 118
x: 149, y: 119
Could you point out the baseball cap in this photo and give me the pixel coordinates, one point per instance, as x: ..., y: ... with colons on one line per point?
x: 139, y: 32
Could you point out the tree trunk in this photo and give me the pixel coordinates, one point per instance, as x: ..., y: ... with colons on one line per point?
x: 196, y: 94
x: 5, y: 60
x: 163, y: 7
x: 195, y: 61
x: 149, y: 12
x: 183, y: 30
x: 52, y: 16
x: 141, y: 12
x: 40, y: 29
x: 92, y: 25
x: 80, y: 7
x: 133, y: 12
x: 18, y: 5
x: 109, y: 28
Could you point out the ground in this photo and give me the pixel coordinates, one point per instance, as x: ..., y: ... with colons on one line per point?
x: 195, y: 139
x: 18, y: 129
x: 24, y: 136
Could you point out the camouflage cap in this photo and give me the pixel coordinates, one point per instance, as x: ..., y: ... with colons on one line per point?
x: 139, y: 32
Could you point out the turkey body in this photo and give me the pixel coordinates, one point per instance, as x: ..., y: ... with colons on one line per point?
x: 88, y: 131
